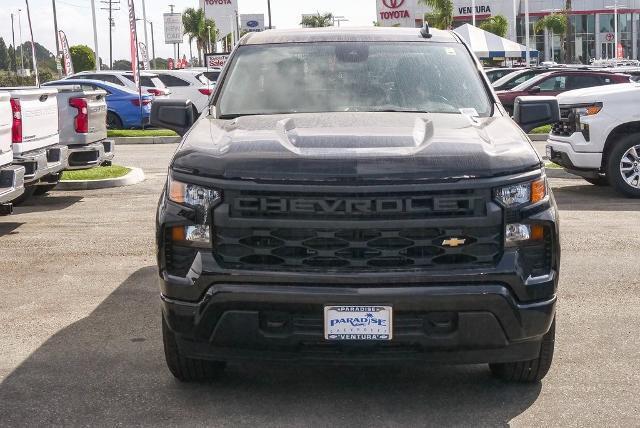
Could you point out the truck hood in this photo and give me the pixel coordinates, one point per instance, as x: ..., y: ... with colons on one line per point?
x: 355, y: 146
x: 600, y: 94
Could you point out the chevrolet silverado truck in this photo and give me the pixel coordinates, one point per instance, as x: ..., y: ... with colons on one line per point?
x: 35, y: 138
x: 598, y: 136
x: 82, y: 124
x: 11, y: 176
x: 357, y: 196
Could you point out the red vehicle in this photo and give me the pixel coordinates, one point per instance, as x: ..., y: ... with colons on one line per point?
x: 556, y: 82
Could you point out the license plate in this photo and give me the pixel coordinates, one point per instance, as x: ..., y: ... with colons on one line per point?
x: 358, y: 322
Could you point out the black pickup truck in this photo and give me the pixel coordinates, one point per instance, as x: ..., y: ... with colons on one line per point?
x: 357, y: 196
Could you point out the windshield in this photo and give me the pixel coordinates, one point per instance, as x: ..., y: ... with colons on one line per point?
x: 347, y: 76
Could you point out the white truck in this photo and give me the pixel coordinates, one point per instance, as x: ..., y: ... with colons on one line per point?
x: 598, y: 136
x: 11, y: 176
x: 35, y: 137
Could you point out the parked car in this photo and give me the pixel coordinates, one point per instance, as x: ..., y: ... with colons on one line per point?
x: 556, y: 82
x: 187, y: 84
x: 11, y: 176
x: 518, y: 77
x: 317, y: 215
x: 123, y: 105
x: 499, y: 72
x: 35, y: 137
x: 598, y: 136
x: 149, y: 82
x: 212, y: 73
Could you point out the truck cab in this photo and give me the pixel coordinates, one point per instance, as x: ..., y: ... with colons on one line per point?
x: 598, y: 136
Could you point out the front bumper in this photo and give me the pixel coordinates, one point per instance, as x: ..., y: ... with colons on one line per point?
x: 42, y: 162
x: 90, y: 155
x: 444, y: 324
x: 11, y: 183
x: 561, y: 150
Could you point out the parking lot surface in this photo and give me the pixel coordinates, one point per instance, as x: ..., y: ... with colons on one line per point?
x: 80, y: 339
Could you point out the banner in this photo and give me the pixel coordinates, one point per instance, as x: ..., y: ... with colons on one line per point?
x: 215, y: 60
x: 67, y: 64
x: 173, y: 29
x: 33, y: 46
x: 224, y: 13
x: 252, y: 23
x: 144, y: 56
x: 133, y: 45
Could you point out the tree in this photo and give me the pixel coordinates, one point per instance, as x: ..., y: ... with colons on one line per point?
x: 568, y: 39
x: 122, y: 64
x: 556, y: 23
x: 161, y: 63
x: 441, y: 15
x: 4, y: 55
x: 497, y: 25
x: 82, y: 58
x: 196, y: 27
x: 317, y: 20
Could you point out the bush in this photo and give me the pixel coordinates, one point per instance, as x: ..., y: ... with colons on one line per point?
x: 83, y: 58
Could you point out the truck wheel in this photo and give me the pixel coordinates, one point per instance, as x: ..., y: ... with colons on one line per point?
x: 532, y: 370
x: 601, y: 180
x: 43, y: 189
x: 113, y: 121
x: 623, y: 166
x: 28, y: 192
x: 187, y: 369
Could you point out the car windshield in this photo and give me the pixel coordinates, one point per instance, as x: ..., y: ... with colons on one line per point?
x: 347, y: 76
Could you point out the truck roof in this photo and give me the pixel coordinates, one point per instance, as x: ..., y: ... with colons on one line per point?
x: 346, y: 34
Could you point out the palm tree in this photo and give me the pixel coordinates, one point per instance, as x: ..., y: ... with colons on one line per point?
x: 195, y: 25
x: 441, y: 15
x: 556, y: 23
x: 317, y: 20
x: 497, y: 25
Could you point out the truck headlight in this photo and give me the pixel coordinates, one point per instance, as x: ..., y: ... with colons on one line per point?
x: 193, y: 195
x: 586, y: 110
x: 521, y: 193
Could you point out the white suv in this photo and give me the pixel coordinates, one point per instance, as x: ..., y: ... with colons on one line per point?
x: 149, y: 81
x: 188, y: 84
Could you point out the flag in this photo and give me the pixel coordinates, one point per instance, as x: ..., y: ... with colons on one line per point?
x: 133, y: 45
x: 144, y: 56
x: 67, y: 64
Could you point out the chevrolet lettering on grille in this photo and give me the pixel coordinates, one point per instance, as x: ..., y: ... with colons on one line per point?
x: 351, y: 206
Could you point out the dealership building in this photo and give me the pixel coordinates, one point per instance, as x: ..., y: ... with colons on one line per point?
x: 592, y: 22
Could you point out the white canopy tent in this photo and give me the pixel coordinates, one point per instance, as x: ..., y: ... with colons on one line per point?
x: 488, y: 45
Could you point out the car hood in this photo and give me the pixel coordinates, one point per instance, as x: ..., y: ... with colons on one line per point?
x: 600, y: 94
x: 355, y: 146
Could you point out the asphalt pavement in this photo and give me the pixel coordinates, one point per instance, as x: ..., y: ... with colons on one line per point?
x: 80, y: 339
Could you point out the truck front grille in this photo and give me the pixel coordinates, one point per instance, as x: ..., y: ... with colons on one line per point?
x: 356, y: 249
x: 567, y: 125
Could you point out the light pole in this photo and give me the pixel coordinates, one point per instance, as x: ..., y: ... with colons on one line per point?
x: 473, y: 12
x: 526, y: 32
x: 269, y: 12
x: 615, y: 6
x: 153, y: 46
x: 20, y: 36
x: 209, y: 36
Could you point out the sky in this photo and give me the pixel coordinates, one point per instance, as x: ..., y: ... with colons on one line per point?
x: 74, y: 18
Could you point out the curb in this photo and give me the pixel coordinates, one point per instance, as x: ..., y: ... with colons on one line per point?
x: 538, y: 137
x: 147, y: 140
x: 133, y: 177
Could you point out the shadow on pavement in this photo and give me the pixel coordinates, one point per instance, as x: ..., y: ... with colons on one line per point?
x: 108, y: 369
x: 588, y: 197
x: 45, y: 203
x: 9, y: 228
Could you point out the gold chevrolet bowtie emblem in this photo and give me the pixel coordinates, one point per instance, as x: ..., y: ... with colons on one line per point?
x: 453, y: 242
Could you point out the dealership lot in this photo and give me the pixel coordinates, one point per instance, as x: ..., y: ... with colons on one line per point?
x: 80, y: 343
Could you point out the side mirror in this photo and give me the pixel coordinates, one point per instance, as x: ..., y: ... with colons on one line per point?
x: 532, y: 112
x: 176, y: 115
x: 534, y: 90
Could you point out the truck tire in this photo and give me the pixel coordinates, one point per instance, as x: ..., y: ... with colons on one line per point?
x: 113, y: 121
x: 623, y: 165
x: 187, y: 369
x: 28, y: 193
x: 43, y: 189
x: 601, y: 180
x: 531, y: 370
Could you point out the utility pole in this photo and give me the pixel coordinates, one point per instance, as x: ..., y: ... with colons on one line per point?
x: 55, y: 26
x: 95, y: 34
x: 20, y: 35
x: 111, y: 6
x: 153, y: 46
x: 13, y: 39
